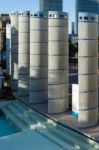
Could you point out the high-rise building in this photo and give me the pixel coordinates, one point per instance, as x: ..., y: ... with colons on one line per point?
x: 90, y: 6
x: 4, y: 19
x: 73, y: 28
x: 51, y: 5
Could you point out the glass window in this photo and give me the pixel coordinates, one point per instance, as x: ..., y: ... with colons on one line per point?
x: 93, y: 18
x: 41, y: 15
x: 80, y: 17
x: 62, y: 16
x: 50, y: 15
x: 35, y: 15
x: 85, y: 18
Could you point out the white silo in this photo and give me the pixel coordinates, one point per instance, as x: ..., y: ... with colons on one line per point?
x: 88, y: 68
x: 23, y: 53
x: 14, y: 49
x: 8, y: 49
x: 57, y: 62
x: 38, y: 58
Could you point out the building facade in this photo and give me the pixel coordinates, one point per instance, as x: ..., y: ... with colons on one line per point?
x: 51, y: 5
x: 4, y: 19
x: 90, y: 6
x: 73, y: 30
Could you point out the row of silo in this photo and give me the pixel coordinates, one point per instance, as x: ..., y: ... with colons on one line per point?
x: 88, y: 67
x: 43, y: 49
x: 48, y: 66
x: 20, y: 27
x: 49, y: 60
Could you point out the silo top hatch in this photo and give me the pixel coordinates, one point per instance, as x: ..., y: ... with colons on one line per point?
x: 57, y: 15
x: 87, y: 17
x: 39, y: 15
x: 24, y: 13
x: 16, y: 13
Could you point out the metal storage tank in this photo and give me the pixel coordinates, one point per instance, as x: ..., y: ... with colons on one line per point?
x: 8, y: 49
x: 23, y: 54
x: 14, y: 49
x: 88, y: 69
x: 57, y: 62
x: 38, y: 58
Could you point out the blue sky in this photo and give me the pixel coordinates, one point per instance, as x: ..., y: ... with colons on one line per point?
x: 7, y: 6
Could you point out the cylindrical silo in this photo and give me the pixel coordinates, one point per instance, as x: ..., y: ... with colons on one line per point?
x: 14, y: 51
x: 8, y: 49
x: 57, y: 62
x: 23, y: 53
x: 88, y: 69
x: 38, y: 58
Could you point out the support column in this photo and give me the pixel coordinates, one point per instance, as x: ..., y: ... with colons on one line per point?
x: 88, y: 69
x: 23, y: 54
x: 58, y: 62
x: 38, y: 58
x: 14, y: 54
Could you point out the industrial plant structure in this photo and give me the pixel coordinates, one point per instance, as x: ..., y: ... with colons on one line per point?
x: 39, y: 62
